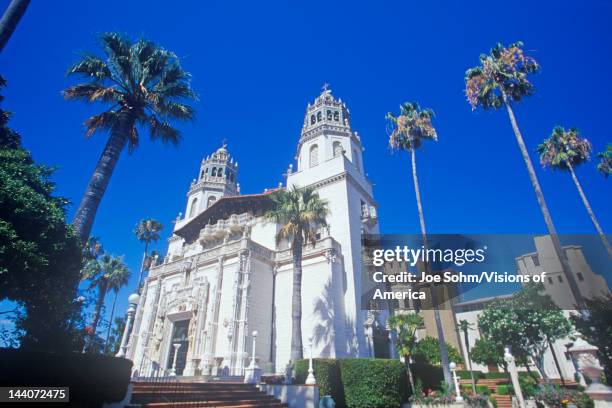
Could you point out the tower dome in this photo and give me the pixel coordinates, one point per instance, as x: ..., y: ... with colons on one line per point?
x: 217, y: 178
x: 326, y: 111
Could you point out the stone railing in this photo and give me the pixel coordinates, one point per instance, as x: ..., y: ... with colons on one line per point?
x: 235, y: 223
x: 327, y: 245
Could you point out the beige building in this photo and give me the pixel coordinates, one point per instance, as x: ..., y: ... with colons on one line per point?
x: 544, y: 259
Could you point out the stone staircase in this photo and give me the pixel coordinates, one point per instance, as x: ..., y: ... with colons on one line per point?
x: 192, y: 394
x: 503, y: 401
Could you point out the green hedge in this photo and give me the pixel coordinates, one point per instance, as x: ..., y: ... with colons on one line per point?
x: 373, y: 383
x: 93, y: 379
x: 358, y: 382
x: 431, y: 376
x: 483, y: 389
x: 494, y: 375
x: 465, y: 374
x: 502, y: 389
x: 327, y: 374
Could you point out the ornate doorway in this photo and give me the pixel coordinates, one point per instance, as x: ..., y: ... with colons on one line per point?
x: 179, y: 339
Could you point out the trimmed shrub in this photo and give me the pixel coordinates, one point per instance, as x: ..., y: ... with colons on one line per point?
x: 465, y: 374
x: 493, y: 402
x: 496, y: 375
x: 483, y: 389
x: 373, y: 383
x: 93, y: 379
x: 431, y: 376
x: 502, y: 389
x: 327, y: 374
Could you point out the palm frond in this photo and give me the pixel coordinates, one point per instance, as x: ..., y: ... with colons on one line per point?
x: 163, y: 131
x: 91, y: 66
x: 104, y: 121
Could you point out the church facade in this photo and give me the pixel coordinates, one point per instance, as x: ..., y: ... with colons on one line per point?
x: 225, y: 276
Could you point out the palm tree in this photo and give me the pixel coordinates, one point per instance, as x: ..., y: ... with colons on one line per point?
x: 104, y: 274
x: 11, y: 17
x: 300, y: 213
x: 92, y: 250
x: 406, y: 326
x: 143, y: 86
x: 605, y: 161
x: 500, y: 80
x: 147, y: 231
x: 407, y: 131
x: 463, y: 327
x: 564, y: 150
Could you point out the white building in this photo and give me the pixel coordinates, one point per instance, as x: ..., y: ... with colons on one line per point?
x: 543, y: 259
x: 224, y: 276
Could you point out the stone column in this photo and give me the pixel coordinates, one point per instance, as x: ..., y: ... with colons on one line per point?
x: 133, y: 301
x: 211, y: 332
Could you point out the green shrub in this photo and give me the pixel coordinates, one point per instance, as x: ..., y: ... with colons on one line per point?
x: 493, y: 402
x: 502, y: 389
x: 327, y: 374
x: 373, y: 383
x: 465, y: 374
x: 496, y: 375
x: 431, y: 376
x: 483, y: 389
x: 532, y: 374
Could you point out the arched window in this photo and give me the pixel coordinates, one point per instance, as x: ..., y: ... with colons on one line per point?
x: 193, y: 208
x: 314, y: 155
x: 313, y: 119
x: 337, y: 116
x: 329, y: 115
x: 356, y: 160
x: 213, y: 173
x: 211, y: 201
x: 337, y: 148
x: 220, y: 172
x: 319, y: 116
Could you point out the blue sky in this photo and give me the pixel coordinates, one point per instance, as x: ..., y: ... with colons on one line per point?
x: 256, y: 65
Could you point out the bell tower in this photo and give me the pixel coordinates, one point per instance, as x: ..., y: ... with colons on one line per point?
x: 217, y: 178
x: 329, y: 160
x: 327, y: 133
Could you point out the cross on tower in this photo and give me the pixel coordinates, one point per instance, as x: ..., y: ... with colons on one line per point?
x: 224, y: 141
x: 325, y: 87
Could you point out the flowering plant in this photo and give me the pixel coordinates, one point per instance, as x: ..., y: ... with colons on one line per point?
x: 557, y: 397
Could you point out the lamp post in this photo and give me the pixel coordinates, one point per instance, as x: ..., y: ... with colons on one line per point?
x: 453, y: 367
x: 133, y: 302
x: 253, y: 372
x: 511, y: 366
x: 310, y: 380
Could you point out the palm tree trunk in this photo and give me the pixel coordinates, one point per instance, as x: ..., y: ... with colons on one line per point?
x: 409, y: 371
x: 469, y: 359
x: 296, y: 302
x: 10, y: 19
x: 86, y: 213
x: 590, y: 210
x: 97, y: 312
x: 434, y: 295
x: 544, y: 208
x: 142, y: 266
x: 110, y: 322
